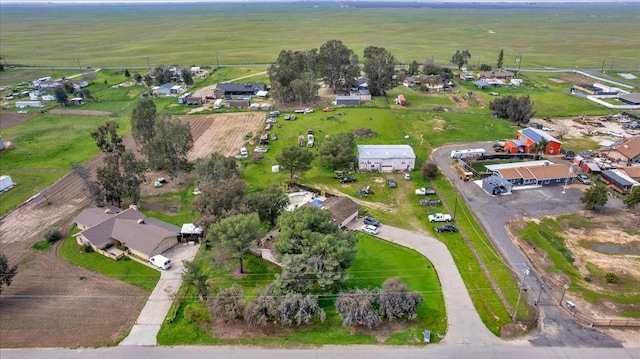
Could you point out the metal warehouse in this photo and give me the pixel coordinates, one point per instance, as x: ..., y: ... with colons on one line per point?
x: 386, y: 158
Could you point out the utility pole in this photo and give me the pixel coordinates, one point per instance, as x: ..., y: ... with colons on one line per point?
x: 148, y: 63
x: 455, y: 209
x: 566, y: 286
x: 524, y: 282
x: 79, y: 67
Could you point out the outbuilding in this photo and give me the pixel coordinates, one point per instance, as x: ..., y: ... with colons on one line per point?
x: 386, y: 158
x: 25, y: 104
x: 618, y: 181
x: 347, y: 100
x: 6, y: 183
x: 496, y: 185
x: 530, y: 136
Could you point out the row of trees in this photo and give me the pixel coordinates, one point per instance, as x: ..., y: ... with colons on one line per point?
x: 356, y: 307
x: 293, y: 75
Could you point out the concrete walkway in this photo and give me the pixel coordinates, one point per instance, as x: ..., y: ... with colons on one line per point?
x: 147, y: 326
x: 463, y: 322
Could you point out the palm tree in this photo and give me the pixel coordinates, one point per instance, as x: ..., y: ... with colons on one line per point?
x: 539, y: 148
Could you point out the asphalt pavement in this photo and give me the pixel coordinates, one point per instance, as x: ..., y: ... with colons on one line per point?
x: 556, y: 328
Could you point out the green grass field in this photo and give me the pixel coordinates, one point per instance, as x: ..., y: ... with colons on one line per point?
x: 375, y: 262
x: 122, y: 35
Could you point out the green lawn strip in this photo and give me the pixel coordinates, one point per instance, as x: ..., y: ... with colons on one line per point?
x: 487, y: 302
x: 376, y: 261
x: 126, y: 270
x: 547, y: 235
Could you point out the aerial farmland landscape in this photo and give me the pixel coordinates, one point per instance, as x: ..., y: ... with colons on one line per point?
x: 353, y: 179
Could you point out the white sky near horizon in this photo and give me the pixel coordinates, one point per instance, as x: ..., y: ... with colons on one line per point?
x: 310, y: 1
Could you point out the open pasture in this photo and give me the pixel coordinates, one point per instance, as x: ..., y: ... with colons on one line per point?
x: 557, y: 35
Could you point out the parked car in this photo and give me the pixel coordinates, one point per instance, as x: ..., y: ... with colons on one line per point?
x: 407, y: 177
x: 439, y: 217
x: 446, y: 228
x: 391, y: 183
x: 371, y: 221
x: 546, y: 128
x: 262, y: 149
x: 371, y: 229
x: 569, y: 155
x: 583, y: 179
x: 348, y: 179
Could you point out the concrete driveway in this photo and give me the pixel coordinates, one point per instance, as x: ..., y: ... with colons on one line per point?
x: 463, y: 323
x: 147, y: 326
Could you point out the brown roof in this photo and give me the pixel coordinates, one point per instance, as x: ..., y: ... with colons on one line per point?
x: 630, y: 148
x: 633, y: 172
x: 130, y: 227
x: 341, y: 208
x: 540, y: 173
x: 92, y: 216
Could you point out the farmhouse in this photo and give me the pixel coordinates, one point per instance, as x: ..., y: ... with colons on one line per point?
x: 632, y: 172
x: 386, y: 158
x: 363, y: 94
x: 228, y: 91
x: 483, y: 83
x: 467, y: 76
x: 625, y: 151
x: 618, y: 181
x: 113, y: 232
x: 534, y: 173
x: 347, y: 100
x: 343, y: 210
x: 500, y: 75
x: 530, y: 136
x: 167, y: 89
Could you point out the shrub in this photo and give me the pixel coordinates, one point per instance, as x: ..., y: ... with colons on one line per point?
x: 612, y: 278
x: 87, y: 248
x: 53, y: 234
x: 196, y: 312
x: 429, y: 170
x: 228, y: 304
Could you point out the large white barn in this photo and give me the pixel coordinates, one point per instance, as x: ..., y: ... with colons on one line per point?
x: 386, y: 158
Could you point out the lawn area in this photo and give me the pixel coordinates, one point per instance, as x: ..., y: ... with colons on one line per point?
x: 40, y: 157
x: 375, y: 262
x: 44, y: 36
x: 126, y: 270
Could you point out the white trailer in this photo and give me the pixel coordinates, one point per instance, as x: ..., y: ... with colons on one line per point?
x: 217, y: 104
x: 476, y: 152
x: 5, y: 183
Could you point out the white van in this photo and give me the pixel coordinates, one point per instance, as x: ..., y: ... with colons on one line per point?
x: 161, y: 261
x: 243, y: 151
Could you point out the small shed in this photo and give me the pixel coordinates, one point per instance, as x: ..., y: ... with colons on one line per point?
x: 496, y: 185
x: 24, y: 104
x: 6, y: 183
x: 347, y: 100
x: 266, y: 107
x: 590, y: 167
x: 254, y: 107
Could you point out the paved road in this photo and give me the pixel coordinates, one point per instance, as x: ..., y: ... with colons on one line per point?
x: 147, y: 326
x: 556, y: 327
x: 440, y: 351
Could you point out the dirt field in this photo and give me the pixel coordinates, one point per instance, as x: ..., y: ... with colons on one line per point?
x: 615, y: 227
x: 60, y: 111
x: 8, y: 119
x: 51, y: 303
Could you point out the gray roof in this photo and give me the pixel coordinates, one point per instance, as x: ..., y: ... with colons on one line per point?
x: 130, y: 227
x: 385, y: 151
x: 241, y: 87
x: 633, y: 97
x: 92, y: 216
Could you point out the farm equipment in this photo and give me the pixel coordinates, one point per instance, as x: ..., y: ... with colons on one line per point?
x: 430, y: 202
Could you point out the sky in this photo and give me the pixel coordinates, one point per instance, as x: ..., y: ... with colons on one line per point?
x: 254, y: 1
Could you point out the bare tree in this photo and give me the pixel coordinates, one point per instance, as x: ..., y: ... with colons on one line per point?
x: 298, y: 307
x: 562, y: 131
x: 357, y: 307
x: 228, y: 304
x: 262, y: 309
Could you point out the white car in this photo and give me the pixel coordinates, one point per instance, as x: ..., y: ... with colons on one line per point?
x: 545, y: 128
x: 367, y: 228
x: 262, y: 149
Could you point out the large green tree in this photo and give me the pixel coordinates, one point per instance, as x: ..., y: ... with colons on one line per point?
x: 237, y: 234
x: 219, y: 200
x: 186, y: 76
x: 143, y: 118
x: 500, y: 60
x: 292, y: 77
x: 295, y: 160
x: 338, y: 64
x: 61, y: 96
x: 6, y: 273
x: 337, y: 149
x: 195, y: 275
x: 379, y: 66
x: 216, y: 168
x: 516, y: 109
x: 171, y: 145
x: 269, y: 203
x: 595, y: 196
x: 632, y: 198
x: 460, y: 58
x: 313, y: 251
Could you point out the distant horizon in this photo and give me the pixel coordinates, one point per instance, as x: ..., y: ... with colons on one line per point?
x: 151, y: 2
